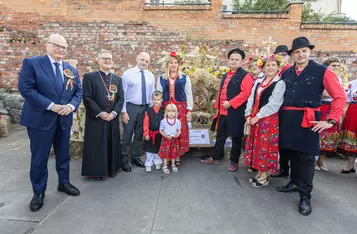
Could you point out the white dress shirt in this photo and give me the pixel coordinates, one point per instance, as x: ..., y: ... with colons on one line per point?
x: 131, y: 80
x: 54, y: 72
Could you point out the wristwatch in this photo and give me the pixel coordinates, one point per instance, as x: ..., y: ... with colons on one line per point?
x: 331, y: 121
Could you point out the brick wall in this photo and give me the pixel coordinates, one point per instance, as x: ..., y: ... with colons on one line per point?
x: 127, y: 27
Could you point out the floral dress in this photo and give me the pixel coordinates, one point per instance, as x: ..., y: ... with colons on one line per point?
x: 262, y: 144
x: 329, y: 138
x: 348, y: 141
x: 183, y: 109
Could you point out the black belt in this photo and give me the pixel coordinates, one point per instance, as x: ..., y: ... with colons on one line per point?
x: 326, y: 103
x: 142, y: 105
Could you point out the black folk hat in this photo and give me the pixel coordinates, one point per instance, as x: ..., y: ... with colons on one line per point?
x: 281, y: 48
x: 238, y: 51
x: 300, y: 42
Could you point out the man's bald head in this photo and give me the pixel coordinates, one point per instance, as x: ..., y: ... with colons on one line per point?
x: 143, y: 60
x: 56, y: 47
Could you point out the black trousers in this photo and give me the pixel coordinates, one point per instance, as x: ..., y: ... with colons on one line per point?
x: 135, y: 126
x: 218, y: 152
x: 284, y: 159
x: 302, y: 171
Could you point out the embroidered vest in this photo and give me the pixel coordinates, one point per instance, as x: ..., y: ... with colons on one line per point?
x: 180, y: 95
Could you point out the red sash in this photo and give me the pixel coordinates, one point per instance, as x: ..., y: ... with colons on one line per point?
x: 152, y: 135
x: 309, y: 114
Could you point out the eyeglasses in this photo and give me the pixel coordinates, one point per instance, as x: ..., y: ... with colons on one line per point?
x: 105, y: 58
x: 58, y: 47
x: 335, y: 65
x: 282, y: 54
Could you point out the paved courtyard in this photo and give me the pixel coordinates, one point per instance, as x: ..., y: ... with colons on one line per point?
x: 199, y: 199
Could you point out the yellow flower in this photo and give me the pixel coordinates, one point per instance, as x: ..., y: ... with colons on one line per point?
x: 260, y: 63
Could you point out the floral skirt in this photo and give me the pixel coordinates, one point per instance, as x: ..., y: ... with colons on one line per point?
x: 262, y: 145
x: 169, y: 149
x: 329, y: 138
x: 348, y: 141
x: 183, y: 141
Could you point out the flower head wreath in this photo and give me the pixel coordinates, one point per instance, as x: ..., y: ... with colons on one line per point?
x: 255, y: 59
x: 166, y: 58
x: 272, y: 57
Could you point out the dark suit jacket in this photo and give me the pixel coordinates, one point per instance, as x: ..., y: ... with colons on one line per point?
x: 37, y: 85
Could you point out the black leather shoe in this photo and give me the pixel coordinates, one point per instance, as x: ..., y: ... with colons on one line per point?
x: 37, y: 201
x: 138, y: 162
x: 126, y: 168
x: 281, y: 173
x: 290, y: 187
x: 305, y: 206
x: 69, y: 189
x: 113, y: 175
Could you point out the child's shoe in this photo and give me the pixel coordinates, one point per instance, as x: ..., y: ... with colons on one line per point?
x: 166, y: 170
x: 158, y: 166
x: 148, y: 169
x: 174, y: 168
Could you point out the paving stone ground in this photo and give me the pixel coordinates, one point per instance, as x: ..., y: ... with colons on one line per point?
x: 199, y: 199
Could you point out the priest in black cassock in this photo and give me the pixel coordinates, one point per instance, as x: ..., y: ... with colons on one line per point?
x: 103, y: 98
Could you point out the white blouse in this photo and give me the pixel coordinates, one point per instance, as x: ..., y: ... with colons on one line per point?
x: 275, y: 100
x: 351, y: 91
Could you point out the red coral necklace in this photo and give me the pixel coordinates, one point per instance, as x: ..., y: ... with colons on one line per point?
x: 167, y: 120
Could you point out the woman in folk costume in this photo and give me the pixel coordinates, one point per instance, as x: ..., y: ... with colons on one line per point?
x: 263, y: 105
x: 177, y: 89
x: 282, y: 51
x: 256, y: 70
x: 329, y: 138
x: 254, y: 67
x: 348, y: 141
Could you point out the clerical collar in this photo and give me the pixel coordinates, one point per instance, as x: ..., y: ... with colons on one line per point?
x: 104, y: 73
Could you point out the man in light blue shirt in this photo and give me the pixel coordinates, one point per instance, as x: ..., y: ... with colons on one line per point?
x: 138, y: 85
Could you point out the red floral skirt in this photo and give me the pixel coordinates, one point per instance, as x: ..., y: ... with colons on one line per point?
x: 348, y: 141
x: 329, y: 138
x: 169, y: 149
x: 262, y: 145
x: 183, y: 140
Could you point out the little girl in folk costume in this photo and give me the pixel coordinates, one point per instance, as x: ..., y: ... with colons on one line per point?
x: 170, y: 129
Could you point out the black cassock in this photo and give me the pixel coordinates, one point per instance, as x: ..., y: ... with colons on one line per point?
x: 102, y: 146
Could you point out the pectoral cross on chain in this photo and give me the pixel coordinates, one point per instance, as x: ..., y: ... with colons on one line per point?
x: 109, y: 97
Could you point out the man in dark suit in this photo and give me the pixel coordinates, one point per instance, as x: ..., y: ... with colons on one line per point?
x: 52, y: 91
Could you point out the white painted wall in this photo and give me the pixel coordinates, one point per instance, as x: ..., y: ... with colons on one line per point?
x: 327, y: 6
